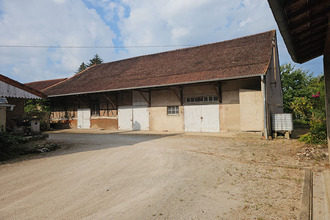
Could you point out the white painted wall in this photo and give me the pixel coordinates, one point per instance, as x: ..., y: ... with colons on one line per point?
x: 7, y: 90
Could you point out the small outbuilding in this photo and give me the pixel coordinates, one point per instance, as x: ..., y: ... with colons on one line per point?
x: 232, y: 85
x: 12, y: 97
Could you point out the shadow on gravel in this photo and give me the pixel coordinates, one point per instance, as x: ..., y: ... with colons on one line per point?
x: 75, y: 143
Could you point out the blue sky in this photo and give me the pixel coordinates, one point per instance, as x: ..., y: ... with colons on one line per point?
x: 121, y: 25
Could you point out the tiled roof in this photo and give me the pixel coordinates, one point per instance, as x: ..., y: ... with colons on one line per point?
x: 241, y: 57
x: 26, y: 88
x: 41, y: 85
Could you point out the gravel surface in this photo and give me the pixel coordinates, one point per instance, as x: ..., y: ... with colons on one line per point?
x: 185, y: 176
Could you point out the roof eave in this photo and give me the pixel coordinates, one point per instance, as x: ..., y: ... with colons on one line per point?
x: 279, y: 15
x: 158, y: 86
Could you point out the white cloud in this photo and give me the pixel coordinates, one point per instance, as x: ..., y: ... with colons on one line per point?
x: 58, y: 23
x: 173, y: 22
x: 135, y: 23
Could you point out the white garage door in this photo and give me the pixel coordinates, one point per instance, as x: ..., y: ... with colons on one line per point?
x: 125, y: 117
x: 84, y: 118
x: 133, y: 118
x: 201, y: 118
x: 140, y: 118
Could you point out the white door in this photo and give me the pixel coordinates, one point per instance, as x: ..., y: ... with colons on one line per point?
x: 202, y: 118
x: 84, y: 118
x: 140, y: 118
x: 125, y: 120
x: 192, y: 118
x: 210, y: 118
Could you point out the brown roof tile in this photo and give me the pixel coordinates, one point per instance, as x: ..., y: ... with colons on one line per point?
x: 241, y: 57
x: 41, y: 85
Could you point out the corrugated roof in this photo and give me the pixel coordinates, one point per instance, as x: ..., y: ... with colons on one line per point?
x: 41, y: 85
x: 21, y: 86
x: 241, y: 57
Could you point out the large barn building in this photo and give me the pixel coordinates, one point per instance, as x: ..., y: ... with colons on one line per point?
x: 226, y: 86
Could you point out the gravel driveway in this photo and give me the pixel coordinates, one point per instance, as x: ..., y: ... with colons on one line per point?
x: 125, y: 176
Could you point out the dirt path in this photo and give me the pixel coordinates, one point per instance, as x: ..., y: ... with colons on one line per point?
x: 99, y: 176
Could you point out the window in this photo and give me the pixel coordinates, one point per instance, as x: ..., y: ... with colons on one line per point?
x: 202, y: 99
x: 172, y: 110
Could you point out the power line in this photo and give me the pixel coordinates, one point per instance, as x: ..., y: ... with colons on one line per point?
x: 88, y: 47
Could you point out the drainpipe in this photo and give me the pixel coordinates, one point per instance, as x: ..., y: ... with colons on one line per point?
x: 265, y: 109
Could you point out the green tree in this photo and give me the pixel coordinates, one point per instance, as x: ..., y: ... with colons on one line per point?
x: 82, y: 67
x: 312, y: 109
x: 295, y: 83
x: 95, y: 60
x: 33, y: 106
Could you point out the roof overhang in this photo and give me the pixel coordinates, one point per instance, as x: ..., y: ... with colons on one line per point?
x: 158, y: 86
x: 14, y: 84
x: 303, y: 25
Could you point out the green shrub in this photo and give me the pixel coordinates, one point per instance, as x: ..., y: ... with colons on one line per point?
x: 317, y: 133
x: 9, y: 145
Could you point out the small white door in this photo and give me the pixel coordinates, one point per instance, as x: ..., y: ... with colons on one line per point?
x: 125, y: 120
x: 192, y: 118
x: 202, y: 118
x: 84, y: 118
x: 210, y: 118
x: 140, y: 118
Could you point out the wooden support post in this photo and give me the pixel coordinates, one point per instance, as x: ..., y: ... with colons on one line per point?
x: 326, y: 65
x: 181, y: 95
x: 79, y: 100
x: 145, y: 99
x: 178, y: 94
x: 110, y: 101
x: 113, y: 105
x: 217, y: 88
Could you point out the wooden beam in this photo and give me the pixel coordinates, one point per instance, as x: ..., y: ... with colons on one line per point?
x: 145, y: 99
x: 217, y: 89
x: 80, y: 101
x: 178, y: 94
x: 115, y: 106
x: 326, y: 65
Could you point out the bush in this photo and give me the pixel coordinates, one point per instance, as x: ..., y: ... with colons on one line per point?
x: 312, y: 110
x: 9, y: 145
x: 317, y: 133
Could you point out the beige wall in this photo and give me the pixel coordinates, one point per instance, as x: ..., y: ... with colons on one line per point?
x: 2, y: 118
x: 230, y: 117
x: 160, y: 121
x: 158, y: 118
x: 251, y: 110
x: 230, y: 97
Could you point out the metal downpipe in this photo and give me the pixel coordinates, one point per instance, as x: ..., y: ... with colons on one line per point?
x: 265, y: 109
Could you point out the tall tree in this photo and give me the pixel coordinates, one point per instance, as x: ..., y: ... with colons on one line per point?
x: 82, y: 67
x: 295, y: 83
x: 95, y: 60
